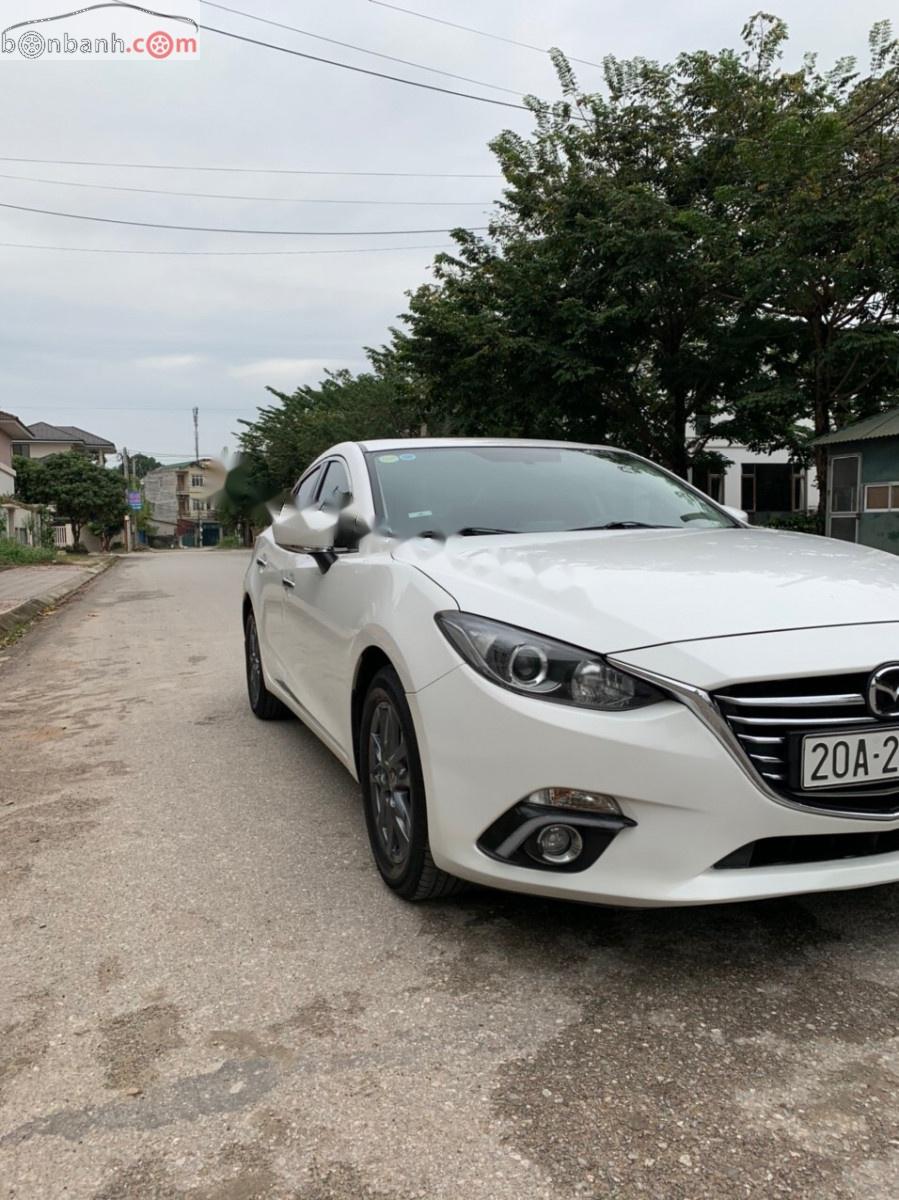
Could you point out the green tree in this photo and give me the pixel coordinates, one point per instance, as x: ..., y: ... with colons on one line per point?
x: 80, y: 492
x: 287, y: 436
x: 707, y: 247
x: 142, y: 465
x: 29, y: 473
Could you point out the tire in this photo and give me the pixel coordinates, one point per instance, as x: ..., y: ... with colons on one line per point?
x: 393, y: 794
x: 264, y: 705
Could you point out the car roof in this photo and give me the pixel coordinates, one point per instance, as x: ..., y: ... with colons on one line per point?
x: 424, y: 443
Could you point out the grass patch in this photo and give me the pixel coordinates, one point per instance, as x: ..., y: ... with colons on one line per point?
x: 14, y: 554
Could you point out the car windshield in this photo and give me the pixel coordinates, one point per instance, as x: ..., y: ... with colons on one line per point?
x: 529, y: 489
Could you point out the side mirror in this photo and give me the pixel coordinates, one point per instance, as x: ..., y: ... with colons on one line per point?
x: 738, y: 513
x: 305, y: 529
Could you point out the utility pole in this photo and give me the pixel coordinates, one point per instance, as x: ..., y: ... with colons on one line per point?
x: 126, y: 471
x: 199, y: 537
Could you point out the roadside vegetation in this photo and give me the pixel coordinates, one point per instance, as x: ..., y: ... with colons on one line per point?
x: 81, y: 492
x: 704, y: 249
x: 14, y: 554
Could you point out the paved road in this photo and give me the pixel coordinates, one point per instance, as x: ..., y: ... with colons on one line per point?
x: 206, y: 993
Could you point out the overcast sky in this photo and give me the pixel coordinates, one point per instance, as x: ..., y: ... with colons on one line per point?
x: 125, y: 345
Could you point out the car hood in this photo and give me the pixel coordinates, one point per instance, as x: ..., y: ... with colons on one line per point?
x: 618, y: 590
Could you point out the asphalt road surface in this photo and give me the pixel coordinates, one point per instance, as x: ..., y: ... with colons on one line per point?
x: 206, y: 992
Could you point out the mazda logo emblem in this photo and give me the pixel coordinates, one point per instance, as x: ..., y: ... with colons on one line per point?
x: 883, y: 692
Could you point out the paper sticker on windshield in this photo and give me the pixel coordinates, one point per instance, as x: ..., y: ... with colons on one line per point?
x: 425, y: 512
x: 388, y: 458
x: 409, y: 458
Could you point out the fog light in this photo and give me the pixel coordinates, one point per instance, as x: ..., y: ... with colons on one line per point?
x: 574, y: 798
x: 558, y: 844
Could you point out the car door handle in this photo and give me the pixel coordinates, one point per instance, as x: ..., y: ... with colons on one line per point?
x: 261, y: 562
x: 288, y: 583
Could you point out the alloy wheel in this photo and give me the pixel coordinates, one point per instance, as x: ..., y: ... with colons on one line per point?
x: 254, y: 663
x: 389, y: 784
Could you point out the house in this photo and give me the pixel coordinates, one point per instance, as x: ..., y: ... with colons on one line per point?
x: 182, y: 498
x: 765, y: 486
x: 40, y: 440
x: 17, y: 520
x: 863, y: 481
x: 12, y: 432
x: 45, y: 439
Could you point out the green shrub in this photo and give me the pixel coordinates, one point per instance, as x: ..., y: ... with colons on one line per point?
x: 230, y: 542
x: 14, y: 554
x: 795, y: 523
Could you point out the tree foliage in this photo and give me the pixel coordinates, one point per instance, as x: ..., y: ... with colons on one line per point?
x: 142, y: 465
x: 705, y: 248
x: 287, y: 436
x: 80, y: 492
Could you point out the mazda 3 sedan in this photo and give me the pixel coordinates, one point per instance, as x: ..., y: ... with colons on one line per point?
x: 559, y: 669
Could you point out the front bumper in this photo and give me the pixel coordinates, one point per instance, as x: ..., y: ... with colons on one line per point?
x: 484, y: 749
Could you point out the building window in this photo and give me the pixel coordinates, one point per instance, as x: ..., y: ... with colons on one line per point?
x: 199, y: 505
x: 196, y: 481
x: 771, y: 487
x: 716, y: 488
x: 882, y: 497
x: 22, y: 449
x: 799, y: 502
x: 747, y: 488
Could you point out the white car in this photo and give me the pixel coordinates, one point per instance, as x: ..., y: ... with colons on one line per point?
x: 559, y: 669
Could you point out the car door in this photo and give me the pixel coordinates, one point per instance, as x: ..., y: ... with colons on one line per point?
x: 319, y: 620
x: 272, y: 563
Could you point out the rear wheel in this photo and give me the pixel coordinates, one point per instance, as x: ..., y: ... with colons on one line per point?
x: 264, y: 705
x: 394, y: 794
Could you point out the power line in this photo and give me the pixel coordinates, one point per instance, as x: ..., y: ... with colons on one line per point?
x: 50, y: 212
x: 219, y: 253
x: 360, y: 49
x: 496, y: 37
x: 110, y: 187
x: 75, y: 162
x: 119, y: 408
x: 430, y: 87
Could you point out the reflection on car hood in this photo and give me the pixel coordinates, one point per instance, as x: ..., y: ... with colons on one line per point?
x: 612, y: 591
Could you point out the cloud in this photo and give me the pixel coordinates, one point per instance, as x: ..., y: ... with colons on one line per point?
x: 170, y: 362
x: 281, y: 372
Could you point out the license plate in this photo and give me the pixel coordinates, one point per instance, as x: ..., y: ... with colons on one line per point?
x: 850, y: 758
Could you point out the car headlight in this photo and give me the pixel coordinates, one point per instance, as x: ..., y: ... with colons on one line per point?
x: 534, y: 665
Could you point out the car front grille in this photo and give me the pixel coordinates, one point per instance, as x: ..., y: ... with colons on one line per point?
x: 763, y: 716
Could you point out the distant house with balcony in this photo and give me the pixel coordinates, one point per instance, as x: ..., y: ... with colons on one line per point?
x: 45, y: 439
x: 40, y: 440
x: 17, y: 520
x: 863, y: 482
x: 182, y: 498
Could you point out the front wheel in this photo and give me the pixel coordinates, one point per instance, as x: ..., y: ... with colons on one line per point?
x: 394, y: 795
x: 264, y: 705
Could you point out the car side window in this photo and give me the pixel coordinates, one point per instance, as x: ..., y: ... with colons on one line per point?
x: 305, y: 490
x: 336, y: 489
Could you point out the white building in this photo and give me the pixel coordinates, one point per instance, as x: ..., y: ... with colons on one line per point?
x: 763, y: 485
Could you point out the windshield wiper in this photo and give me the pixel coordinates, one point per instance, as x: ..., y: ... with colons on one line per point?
x: 620, y: 525
x: 476, y: 530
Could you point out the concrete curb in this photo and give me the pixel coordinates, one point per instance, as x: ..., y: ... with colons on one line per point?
x: 12, y: 618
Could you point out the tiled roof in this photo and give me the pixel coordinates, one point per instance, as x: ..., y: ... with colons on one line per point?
x: 42, y: 431
x: 13, y: 427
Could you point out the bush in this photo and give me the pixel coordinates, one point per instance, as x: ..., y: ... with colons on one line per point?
x: 78, y: 548
x: 796, y: 523
x: 229, y: 542
x: 14, y: 554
